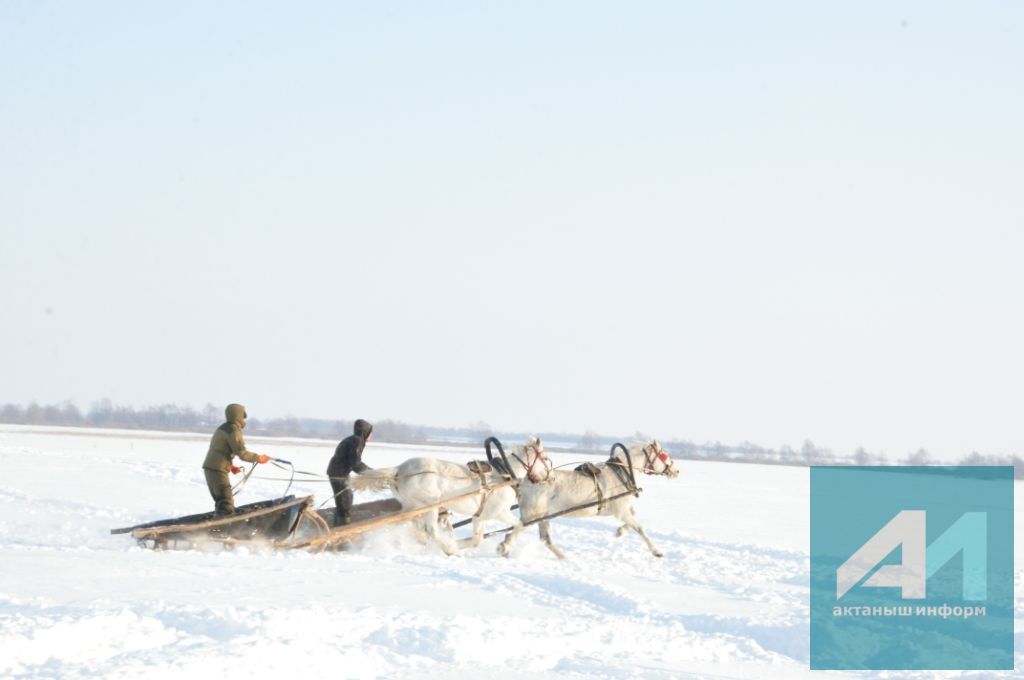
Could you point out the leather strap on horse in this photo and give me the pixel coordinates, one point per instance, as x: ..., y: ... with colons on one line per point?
x: 617, y: 465
x: 619, y: 468
x: 485, y: 490
x: 594, y: 472
x: 479, y: 467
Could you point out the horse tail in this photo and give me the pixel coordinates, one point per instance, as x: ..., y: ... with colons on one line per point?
x: 378, y: 479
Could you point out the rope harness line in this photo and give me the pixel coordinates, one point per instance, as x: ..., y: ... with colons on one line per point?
x: 279, y: 463
x: 332, y: 496
x: 245, y: 478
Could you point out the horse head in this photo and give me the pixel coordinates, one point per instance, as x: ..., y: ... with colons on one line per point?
x: 538, y: 465
x: 657, y: 461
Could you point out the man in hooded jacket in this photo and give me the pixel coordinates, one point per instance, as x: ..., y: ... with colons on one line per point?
x: 227, y: 443
x: 348, y: 458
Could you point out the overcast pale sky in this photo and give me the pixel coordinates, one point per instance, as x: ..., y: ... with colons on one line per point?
x: 717, y: 220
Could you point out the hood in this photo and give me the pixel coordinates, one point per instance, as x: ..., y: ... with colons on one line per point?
x: 235, y: 413
x: 362, y: 428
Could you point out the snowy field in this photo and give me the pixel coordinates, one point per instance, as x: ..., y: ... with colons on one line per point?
x: 728, y: 600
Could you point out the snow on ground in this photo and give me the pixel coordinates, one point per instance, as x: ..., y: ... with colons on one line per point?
x: 728, y: 600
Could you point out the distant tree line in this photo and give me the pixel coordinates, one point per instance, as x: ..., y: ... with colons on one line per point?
x: 176, y: 418
x: 809, y: 454
x: 173, y: 417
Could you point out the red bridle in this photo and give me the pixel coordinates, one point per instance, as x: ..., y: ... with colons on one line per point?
x: 538, y: 456
x: 650, y: 455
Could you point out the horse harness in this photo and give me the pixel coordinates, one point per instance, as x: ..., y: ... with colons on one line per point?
x: 594, y: 472
x: 622, y: 472
x: 481, y: 469
x: 537, y: 458
x: 651, y: 455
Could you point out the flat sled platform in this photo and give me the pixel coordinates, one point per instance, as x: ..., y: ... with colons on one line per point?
x: 273, y: 520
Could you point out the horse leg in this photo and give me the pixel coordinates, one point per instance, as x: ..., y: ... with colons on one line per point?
x: 430, y: 520
x: 444, y: 518
x: 635, y: 526
x: 545, y: 535
x: 529, y: 506
x: 420, y: 530
x: 624, y: 529
x: 505, y: 516
x: 505, y: 547
x: 478, y: 535
x: 508, y: 518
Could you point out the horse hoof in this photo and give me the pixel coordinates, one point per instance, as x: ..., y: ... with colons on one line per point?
x: 658, y: 553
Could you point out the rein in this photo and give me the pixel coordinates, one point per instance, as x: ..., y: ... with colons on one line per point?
x: 245, y: 478
x: 281, y: 464
x: 278, y: 464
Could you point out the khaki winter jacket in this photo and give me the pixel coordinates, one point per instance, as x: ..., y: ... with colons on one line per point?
x: 227, y: 442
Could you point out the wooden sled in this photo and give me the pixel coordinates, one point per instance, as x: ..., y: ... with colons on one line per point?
x: 271, y: 521
x: 287, y: 523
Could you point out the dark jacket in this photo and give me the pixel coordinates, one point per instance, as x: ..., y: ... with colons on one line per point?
x: 348, y: 457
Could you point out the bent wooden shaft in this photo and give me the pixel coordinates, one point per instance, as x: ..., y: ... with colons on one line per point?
x: 343, y: 532
x: 631, y: 492
x: 464, y: 522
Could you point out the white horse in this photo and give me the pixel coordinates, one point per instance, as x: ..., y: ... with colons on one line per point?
x: 425, y: 481
x: 605, y: 493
